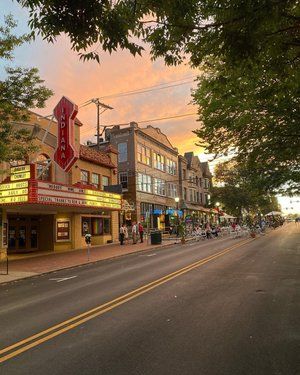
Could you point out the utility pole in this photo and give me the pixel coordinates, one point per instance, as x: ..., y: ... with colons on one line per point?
x: 104, y: 108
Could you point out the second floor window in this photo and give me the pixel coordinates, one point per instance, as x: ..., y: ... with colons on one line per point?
x: 122, y: 149
x: 144, y: 183
x: 159, y: 186
x: 172, y: 190
x: 96, y: 180
x: 123, y: 179
x: 84, y: 176
x: 105, y: 181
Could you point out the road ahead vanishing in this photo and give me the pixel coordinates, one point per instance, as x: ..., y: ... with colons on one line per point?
x: 219, y: 307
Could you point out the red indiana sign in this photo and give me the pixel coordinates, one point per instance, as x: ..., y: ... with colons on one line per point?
x: 65, y: 154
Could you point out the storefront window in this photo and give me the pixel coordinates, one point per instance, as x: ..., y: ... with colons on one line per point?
x: 96, y: 226
x: 43, y: 169
x: 106, y: 226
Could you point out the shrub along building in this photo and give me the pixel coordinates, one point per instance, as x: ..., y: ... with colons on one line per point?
x: 52, y: 199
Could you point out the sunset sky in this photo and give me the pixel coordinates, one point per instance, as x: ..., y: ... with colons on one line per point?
x: 65, y: 74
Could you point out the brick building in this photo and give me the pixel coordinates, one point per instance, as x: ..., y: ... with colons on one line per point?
x: 43, y: 207
x: 148, y: 172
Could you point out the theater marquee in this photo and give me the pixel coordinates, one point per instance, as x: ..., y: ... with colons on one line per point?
x: 34, y: 191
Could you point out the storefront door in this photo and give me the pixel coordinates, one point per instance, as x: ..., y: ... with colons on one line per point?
x: 22, y: 234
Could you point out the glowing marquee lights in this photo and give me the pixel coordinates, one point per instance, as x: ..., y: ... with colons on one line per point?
x: 14, y: 192
x: 67, y: 195
x: 21, y: 172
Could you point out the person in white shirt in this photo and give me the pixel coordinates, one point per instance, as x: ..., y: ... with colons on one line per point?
x: 134, y: 233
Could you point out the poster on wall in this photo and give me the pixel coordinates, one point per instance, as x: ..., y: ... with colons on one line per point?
x: 63, y: 232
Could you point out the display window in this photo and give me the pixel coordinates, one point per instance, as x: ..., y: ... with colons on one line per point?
x: 63, y: 230
x: 96, y: 226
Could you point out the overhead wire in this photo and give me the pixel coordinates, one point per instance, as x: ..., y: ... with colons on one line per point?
x: 145, y: 121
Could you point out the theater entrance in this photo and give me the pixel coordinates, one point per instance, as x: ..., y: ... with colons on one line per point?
x: 25, y: 233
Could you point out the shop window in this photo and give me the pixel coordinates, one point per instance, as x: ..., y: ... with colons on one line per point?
x: 96, y: 226
x: 123, y: 179
x: 106, y: 226
x: 105, y: 181
x: 96, y: 180
x: 84, y: 176
x: 43, y: 168
x: 122, y: 150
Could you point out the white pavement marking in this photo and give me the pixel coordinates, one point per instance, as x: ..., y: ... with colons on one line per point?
x: 60, y: 279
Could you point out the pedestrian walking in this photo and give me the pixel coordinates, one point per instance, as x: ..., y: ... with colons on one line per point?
x: 122, y: 234
x: 141, y: 232
x: 126, y: 236
x: 134, y: 230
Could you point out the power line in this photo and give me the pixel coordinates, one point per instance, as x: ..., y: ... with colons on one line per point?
x: 130, y: 93
x: 143, y: 121
x: 148, y: 88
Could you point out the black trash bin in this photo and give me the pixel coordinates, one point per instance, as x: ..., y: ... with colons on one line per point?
x: 156, y: 238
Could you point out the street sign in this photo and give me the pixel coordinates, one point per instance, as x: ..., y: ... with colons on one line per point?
x: 66, y: 154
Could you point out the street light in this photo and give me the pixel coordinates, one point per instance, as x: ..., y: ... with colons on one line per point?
x: 217, y: 204
x: 177, y: 199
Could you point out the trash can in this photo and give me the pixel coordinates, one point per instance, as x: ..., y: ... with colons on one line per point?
x: 155, y: 238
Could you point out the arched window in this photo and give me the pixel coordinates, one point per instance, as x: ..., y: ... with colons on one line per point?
x: 43, y: 168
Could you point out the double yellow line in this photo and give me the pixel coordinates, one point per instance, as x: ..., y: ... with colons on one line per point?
x: 58, y: 329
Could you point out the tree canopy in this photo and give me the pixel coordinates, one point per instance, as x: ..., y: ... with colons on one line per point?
x: 21, y: 90
x: 247, y: 52
x: 238, y: 193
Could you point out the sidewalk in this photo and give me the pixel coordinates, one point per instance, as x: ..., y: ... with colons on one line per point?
x: 27, y: 265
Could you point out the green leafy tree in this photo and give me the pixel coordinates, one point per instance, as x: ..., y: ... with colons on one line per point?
x: 237, y: 192
x: 21, y: 90
x: 247, y: 52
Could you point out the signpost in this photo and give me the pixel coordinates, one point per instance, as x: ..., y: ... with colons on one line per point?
x: 66, y: 154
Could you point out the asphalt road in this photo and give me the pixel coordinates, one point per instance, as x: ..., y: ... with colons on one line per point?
x: 207, y: 308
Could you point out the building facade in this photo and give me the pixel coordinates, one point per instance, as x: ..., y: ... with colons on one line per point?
x: 148, y: 173
x: 195, y: 180
x: 44, y: 207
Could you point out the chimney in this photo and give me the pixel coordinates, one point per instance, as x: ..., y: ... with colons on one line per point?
x: 134, y: 125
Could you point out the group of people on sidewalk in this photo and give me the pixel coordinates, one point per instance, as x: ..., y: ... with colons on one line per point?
x: 137, y: 231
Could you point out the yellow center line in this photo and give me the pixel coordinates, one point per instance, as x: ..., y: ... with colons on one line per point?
x: 77, y: 320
